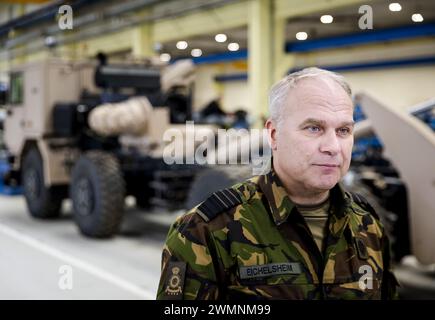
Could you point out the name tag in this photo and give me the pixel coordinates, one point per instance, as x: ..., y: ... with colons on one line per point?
x: 271, y: 269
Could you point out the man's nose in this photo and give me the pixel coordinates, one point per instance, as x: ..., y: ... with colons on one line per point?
x: 330, y: 143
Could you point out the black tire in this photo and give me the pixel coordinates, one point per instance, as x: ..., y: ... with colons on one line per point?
x: 213, y: 179
x: 42, y: 201
x: 97, y: 192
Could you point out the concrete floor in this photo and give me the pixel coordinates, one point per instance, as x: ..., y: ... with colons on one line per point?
x: 37, y: 257
x: 417, y: 281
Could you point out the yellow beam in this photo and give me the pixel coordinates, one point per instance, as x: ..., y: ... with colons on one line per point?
x: 260, y: 51
x: 294, y: 8
x: 281, y: 61
x: 6, y: 65
x: 203, y: 22
x: 109, y: 43
x: 142, y: 41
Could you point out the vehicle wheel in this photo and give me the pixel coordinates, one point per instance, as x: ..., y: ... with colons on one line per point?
x: 214, y: 179
x: 97, y: 191
x: 42, y: 201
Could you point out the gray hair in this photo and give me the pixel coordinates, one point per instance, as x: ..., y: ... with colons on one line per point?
x: 279, y: 92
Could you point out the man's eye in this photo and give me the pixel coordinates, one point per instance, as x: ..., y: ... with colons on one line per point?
x: 313, y: 129
x: 344, y: 131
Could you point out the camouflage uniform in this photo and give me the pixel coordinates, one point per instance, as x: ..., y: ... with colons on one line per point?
x: 250, y: 242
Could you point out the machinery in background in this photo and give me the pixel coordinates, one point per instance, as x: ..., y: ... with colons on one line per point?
x: 94, y: 133
x: 3, y: 101
x: 4, y: 166
x: 403, y: 190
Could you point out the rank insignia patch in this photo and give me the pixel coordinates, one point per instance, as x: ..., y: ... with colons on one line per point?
x: 175, y: 280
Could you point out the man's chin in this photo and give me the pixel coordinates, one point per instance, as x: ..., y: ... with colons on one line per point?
x: 325, y: 185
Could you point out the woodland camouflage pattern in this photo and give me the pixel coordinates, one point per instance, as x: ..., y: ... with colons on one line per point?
x: 211, y: 260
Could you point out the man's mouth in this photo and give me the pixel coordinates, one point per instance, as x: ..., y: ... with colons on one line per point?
x: 327, y: 165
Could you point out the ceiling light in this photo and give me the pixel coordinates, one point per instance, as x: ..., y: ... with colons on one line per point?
x: 50, y: 41
x: 233, y: 46
x: 181, y: 45
x: 301, y: 36
x: 165, y: 57
x: 417, y: 17
x: 220, y: 37
x: 196, y: 53
x: 395, y: 6
x: 326, y: 18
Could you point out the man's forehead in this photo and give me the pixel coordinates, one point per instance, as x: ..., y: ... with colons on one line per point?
x: 320, y: 82
x: 319, y: 93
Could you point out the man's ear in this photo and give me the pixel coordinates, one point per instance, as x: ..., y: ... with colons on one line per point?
x: 271, y: 133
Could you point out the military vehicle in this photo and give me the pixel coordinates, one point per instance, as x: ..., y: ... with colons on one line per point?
x: 93, y: 133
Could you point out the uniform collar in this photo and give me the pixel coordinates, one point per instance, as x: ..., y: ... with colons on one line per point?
x: 281, y: 206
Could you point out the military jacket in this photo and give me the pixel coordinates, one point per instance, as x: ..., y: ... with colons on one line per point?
x: 250, y: 242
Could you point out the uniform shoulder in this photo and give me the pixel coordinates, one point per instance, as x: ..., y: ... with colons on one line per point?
x: 226, y: 200
x: 361, y: 204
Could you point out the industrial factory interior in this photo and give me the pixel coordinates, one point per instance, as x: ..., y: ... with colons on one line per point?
x: 137, y: 145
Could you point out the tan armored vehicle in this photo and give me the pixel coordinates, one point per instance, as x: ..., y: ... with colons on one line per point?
x: 94, y: 133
